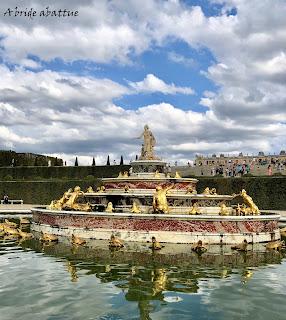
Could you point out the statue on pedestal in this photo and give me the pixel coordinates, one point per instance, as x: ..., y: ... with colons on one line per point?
x: 147, y: 152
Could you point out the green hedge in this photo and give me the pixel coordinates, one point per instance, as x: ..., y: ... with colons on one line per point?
x: 42, y: 192
x: 26, y: 159
x: 67, y: 173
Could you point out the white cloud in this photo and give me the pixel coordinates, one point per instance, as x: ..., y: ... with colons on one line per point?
x: 71, y: 115
x: 180, y: 59
x: 153, y: 84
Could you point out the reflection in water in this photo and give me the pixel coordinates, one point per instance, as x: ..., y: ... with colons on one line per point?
x: 138, y: 284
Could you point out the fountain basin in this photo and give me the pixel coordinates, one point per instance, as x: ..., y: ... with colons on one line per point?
x: 169, y: 228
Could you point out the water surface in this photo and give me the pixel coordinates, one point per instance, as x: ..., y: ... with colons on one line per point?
x: 60, y: 281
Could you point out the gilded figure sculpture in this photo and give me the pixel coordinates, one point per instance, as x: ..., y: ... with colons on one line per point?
x: 71, y: 203
x: 206, y: 191
x: 125, y: 174
x: 191, y: 190
x: 58, y: 204
x: 248, y: 201
x: 109, y: 207
x: 213, y: 191
x: 194, y: 209
x: 157, y: 174
x: 100, y: 189
x: 177, y: 175
x: 90, y: 189
x: 135, y: 208
x: 223, y: 209
x: 147, y: 152
x: 160, y: 203
x: 120, y: 175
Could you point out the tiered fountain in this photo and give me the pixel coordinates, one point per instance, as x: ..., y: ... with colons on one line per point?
x: 147, y: 201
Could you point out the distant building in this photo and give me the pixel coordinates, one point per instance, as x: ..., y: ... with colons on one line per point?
x: 259, y: 159
x: 12, y: 159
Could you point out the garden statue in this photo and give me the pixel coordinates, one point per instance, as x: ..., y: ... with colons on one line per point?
x: 160, y: 203
x: 248, y: 200
x: 147, y: 152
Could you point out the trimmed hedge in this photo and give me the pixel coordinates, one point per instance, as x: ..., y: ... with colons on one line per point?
x: 267, y: 192
x: 42, y: 192
x: 26, y: 159
x: 68, y: 173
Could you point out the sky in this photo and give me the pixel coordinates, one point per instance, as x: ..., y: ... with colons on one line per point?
x: 206, y: 76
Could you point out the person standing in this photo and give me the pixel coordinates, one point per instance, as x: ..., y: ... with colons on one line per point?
x: 269, y: 169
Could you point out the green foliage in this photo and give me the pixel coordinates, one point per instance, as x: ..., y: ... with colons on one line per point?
x: 42, y: 192
x: 66, y: 173
x: 8, y: 158
x: 89, y: 177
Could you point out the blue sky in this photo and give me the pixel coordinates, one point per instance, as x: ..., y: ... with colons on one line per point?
x: 207, y: 76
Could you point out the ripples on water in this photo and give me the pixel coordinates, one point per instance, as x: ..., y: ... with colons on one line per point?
x: 59, y: 281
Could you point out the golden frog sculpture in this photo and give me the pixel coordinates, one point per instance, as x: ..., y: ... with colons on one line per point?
x: 135, y: 208
x: 71, y: 203
x: 248, y: 201
x: 109, y: 207
x: 58, y: 204
x: 195, y: 209
x: 177, y: 175
x: 90, y: 190
x: 223, y: 210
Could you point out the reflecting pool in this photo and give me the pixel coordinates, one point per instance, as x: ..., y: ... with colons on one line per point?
x: 61, y: 281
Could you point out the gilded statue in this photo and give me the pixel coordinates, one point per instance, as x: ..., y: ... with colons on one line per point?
x: 157, y: 174
x: 90, y: 190
x: 191, y: 190
x: 109, y: 207
x: 223, y: 209
x: 135, y: 208
x: 58, y: 204
x: 195, y: 209
x: 213, y: 191
x: 206, y: 191
x: 177, y: 175
x: 120, y: 175
x: 100, y: 189
x: 71, y: 203
x: 147, y: 152
x: 248, y: 201
x: 160, y: 203
x: 125, y: 174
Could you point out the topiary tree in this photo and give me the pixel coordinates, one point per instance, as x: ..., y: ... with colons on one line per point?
x: 121, y: 161
x: 93, y: 162
x: 76, y: 162
x: 108, y: 161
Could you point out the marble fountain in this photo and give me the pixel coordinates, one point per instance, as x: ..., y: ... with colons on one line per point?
x: 148, y: 202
